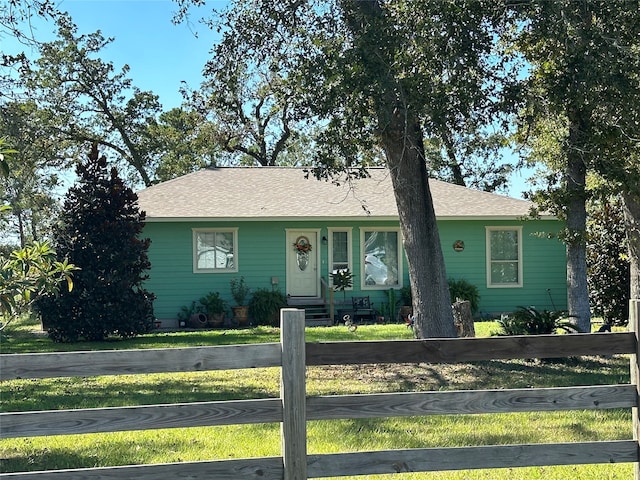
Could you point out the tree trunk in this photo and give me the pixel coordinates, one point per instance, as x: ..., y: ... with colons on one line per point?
x: 456, y: 171
x: 23, y: 237
x: 631, y: 204
x: 463, y: 318
x: 577, y: 289
x: 401, y: 137
x: 432, y: 312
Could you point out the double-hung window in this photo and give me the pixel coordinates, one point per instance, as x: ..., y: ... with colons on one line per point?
x: 381, y: 258
x: 339, y: 251
x: 215, y: 250
x: 504, y: 257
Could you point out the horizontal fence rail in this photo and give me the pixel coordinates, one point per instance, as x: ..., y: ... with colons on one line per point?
x: 457, y: 350
x: 196, y: 359
x: 293, y: 355
x: 469, y: 458
x: 155, y: 360
x: 240, y: 412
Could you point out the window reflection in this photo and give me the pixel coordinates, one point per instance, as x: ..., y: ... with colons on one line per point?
x: 381, y: 262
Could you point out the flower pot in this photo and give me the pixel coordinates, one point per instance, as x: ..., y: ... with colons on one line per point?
x: 216, y: 320
x: 198, y: 320
x: 241, y: 315
x: 405, y: 312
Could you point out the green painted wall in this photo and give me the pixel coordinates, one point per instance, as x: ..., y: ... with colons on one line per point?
x: 544, y: 265
x: 262, y: 249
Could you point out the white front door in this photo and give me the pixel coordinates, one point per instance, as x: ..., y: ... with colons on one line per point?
x: 302, y: 263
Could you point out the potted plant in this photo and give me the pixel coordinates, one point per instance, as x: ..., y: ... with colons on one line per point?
x: 265, y: 305
x: 342, y: 279
x: 240, y: 291
x: 192, y: 316
x: 215, y: 308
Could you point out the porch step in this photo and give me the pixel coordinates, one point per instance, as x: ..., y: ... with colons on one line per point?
x: 317, y: 316
x: 316, y: 313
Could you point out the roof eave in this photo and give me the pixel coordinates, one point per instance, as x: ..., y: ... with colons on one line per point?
x: 152, y: 219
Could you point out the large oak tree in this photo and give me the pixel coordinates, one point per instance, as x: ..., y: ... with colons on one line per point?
x: 584, y: 59
x: 90, y: 101
x: 32, y: 172
x: 378, y: 75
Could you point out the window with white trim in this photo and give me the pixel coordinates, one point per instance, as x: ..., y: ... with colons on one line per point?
x: 215, y: 250
x: 339, y: 251
x: 504, y: 257
x: 381, y: 258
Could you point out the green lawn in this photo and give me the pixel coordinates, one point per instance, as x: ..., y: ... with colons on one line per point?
x: 193, y: 444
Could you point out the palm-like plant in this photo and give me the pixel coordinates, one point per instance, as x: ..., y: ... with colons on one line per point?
x: 530, y: 321
x: 342, y: 279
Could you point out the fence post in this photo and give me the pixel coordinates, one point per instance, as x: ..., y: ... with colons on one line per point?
x: 293, y: 430
x: 634, y: 326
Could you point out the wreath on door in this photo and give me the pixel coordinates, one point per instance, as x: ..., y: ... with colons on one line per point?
x: 302, y: 244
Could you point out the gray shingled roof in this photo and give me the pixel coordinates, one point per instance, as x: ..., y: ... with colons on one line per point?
x: 283, y: 192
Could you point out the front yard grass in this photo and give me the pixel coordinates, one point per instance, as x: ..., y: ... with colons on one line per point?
x: 193, y: 444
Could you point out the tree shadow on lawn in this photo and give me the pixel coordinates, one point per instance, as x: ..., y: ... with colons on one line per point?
x: 470, y: 376
x: 136, y: 448
x: 95, y: 392
x: 37, y: 341
x: 415, y: 432
x: 467, y: 430
x: 41, y: 459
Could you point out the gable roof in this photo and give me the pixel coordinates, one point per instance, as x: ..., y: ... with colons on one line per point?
x: 275, y: 193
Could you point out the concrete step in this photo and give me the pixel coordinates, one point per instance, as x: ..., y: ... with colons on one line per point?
x: 316, y: 313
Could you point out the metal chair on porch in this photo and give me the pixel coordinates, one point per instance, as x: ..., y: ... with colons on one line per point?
x: 363, y: 310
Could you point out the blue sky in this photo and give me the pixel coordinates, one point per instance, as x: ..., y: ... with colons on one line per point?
x: 160, y: 54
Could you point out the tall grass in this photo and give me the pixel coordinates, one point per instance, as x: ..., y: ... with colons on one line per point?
x: 192, y: 444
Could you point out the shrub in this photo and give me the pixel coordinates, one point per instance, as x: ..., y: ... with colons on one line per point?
x: 388, y: 310
x: 265, y: 306
x: 27, y: 274
x: 530, y: 321
x: 98, y: 232
x: 239, y: 290
x: 608, y: 266
x: 213, y: 303
x: 465, y: 291
x: 215, y: 308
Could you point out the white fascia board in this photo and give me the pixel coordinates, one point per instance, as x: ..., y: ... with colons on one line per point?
x: 489, y: 218
x: 269, y: 219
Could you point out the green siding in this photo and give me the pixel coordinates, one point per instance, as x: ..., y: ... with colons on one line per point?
x: 262, y: 253
x: 544, y: 265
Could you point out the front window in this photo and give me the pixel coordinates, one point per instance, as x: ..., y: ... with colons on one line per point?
x: 214, y: 250
x: 381, y: 262
x: 339, y: 251
x: 504, y: 257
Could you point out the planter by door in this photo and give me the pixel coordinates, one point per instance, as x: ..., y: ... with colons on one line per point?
x: 241, y: 314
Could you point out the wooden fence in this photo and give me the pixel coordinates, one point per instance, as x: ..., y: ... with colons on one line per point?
x: 293, y: 409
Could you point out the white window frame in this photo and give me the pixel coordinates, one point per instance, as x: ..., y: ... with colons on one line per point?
x: 520, y: 281
x: 349, y: 232
x: 363, y: 231
x: 196, y: 231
